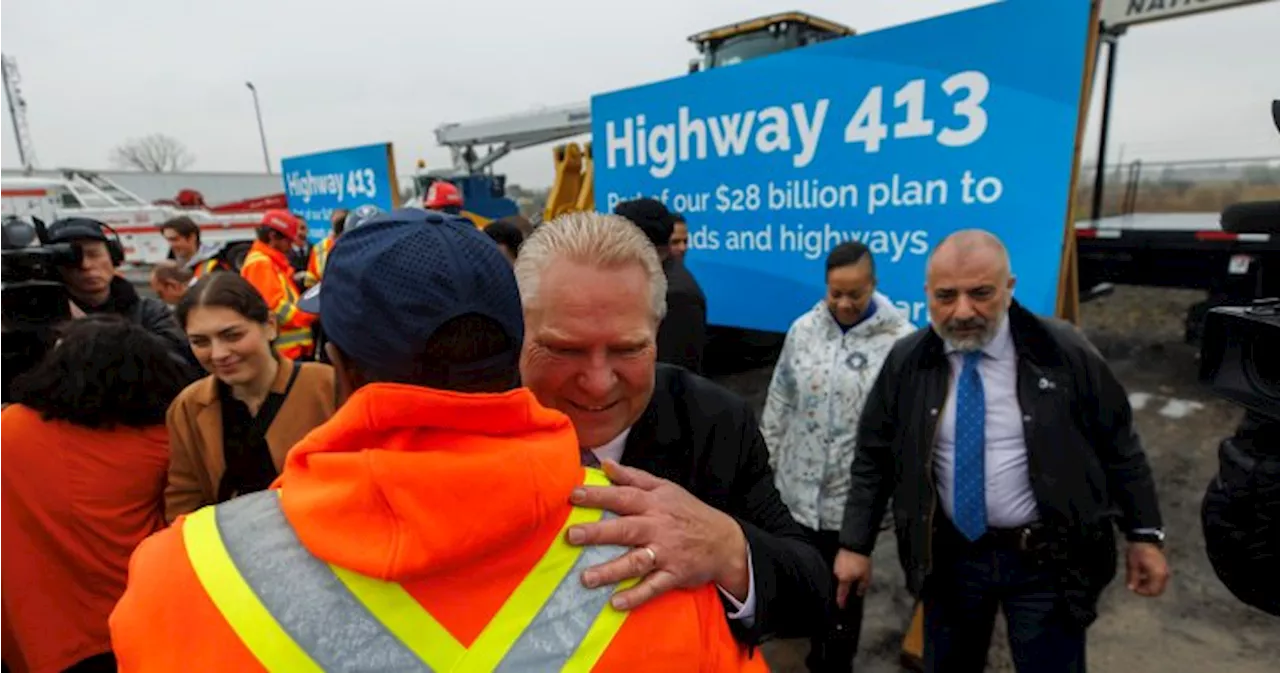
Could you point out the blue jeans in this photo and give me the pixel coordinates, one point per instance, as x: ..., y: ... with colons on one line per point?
x: 969, y: 581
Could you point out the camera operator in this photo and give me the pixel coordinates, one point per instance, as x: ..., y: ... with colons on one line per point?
x: 1241, y: 513
x: 94, y: 287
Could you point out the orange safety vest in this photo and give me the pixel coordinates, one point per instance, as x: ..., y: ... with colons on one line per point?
x: 319, y: 258
x: 269, y: 271
x: 417, y: 530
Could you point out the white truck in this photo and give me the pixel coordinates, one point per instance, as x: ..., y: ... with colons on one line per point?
x: 85, y: 194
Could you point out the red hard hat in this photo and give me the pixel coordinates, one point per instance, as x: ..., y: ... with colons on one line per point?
x: 442, y: 194
x: 284, y: 222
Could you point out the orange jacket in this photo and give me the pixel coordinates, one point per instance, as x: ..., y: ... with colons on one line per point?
x: 76, y: 502
x: 454, y: 497
x: 269, y: 271
x: 319, y: 257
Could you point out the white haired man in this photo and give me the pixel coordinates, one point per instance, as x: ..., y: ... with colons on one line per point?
x: 696, y: 497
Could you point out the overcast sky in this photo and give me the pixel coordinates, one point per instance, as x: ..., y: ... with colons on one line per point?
x: 334, y: 74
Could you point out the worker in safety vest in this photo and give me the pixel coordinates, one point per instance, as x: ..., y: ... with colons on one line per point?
x: 320, y: 251
x: 267, y: 268
x: 422, y: 528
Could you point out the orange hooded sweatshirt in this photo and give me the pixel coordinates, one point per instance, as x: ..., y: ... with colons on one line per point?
x: 455, y: 497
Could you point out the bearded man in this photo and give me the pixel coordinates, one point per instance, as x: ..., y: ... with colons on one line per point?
x: 1009, y: 450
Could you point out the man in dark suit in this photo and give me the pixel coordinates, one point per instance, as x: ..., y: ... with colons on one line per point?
x: 682, y: 334
x: 694, y: 490
x: 1008, y: 448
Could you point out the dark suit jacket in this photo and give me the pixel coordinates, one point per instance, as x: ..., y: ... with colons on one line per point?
x: 705, y: 438
x: 682, y: 336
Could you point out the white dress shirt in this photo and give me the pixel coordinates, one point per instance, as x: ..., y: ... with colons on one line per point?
x: 743, y: 610
x: 1010, y: 501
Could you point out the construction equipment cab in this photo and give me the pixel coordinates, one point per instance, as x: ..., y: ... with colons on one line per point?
x: 737, y: 42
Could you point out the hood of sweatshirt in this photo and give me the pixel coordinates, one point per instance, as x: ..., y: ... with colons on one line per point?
x: 405, y: 482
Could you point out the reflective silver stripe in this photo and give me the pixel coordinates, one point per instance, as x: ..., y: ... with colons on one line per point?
x: 303, y: 594
x: 559, y: 627
x: 313, y: 606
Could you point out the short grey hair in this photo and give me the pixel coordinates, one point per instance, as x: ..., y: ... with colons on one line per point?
x: 593, y: 239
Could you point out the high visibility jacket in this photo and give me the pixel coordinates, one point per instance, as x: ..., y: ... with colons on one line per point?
x: 417, y: 530
x: 268, y: 270
x: 316, y: 263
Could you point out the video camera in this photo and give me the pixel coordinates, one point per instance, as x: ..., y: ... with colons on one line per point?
x: 1240, y: 360
x: 31, y: 291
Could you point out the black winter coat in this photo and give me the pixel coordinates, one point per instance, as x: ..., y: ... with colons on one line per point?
x: 682, y: 335
x: 152, y: 315
x: 706, y: 439
x: 1086, y: 462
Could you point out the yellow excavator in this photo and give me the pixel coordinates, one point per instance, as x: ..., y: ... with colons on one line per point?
x: 573, y: 189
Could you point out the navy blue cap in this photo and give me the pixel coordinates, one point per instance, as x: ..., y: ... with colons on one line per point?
x: 393, y: 281
x: 76, y: 229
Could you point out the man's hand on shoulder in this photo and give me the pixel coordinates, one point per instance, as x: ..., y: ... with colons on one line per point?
x: 678, y: 541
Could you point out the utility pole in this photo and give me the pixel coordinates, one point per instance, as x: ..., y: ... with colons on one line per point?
x: 266, y: 157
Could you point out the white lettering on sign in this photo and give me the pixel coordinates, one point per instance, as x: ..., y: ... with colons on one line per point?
x: 307, y: 185
x: 1115, y: 13
x: 796, y: 128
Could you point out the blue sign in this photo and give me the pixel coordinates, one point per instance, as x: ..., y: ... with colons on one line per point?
x: 896, y: 138
x: 318, y: 184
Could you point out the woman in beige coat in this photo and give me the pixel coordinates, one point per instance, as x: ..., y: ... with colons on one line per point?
x: 229, y: 432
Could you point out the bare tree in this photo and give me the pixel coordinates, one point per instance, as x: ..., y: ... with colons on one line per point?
x: 156, y: 153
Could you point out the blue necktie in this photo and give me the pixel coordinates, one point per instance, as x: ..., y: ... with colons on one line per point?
x: 970, y: 497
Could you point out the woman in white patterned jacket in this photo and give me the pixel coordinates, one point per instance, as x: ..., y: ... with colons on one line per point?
x: 829, y: 362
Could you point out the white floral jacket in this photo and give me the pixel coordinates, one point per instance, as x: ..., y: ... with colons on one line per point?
x: 819, y: 387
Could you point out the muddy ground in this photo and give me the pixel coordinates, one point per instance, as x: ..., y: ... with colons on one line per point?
x: 1197, y: 625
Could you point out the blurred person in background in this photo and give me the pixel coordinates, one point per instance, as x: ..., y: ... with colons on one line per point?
x: 268, y: 270
x: 679, y: 237
x: 682, y: 335
x: 508, y: 237
x: 185, y: 248
x: 320, y: 251
x: 828, y: 364
x: 85, y: 456
x: 170, y: 281
x: 230, y: 431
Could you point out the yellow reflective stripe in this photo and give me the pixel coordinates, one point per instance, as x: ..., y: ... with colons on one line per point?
x: 405, y: 618
x: 236, y: 601
x: 601, y: 633
x: 493, y: 643
x: 292, y: 338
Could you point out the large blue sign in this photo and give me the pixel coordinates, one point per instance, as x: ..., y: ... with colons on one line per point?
x: 317, y: 184
x: 896, y: 138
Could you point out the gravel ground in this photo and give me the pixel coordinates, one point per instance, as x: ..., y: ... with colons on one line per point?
x: 1197, y: 625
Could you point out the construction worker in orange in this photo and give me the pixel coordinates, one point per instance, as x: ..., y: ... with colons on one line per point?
x: 267, y: 268
x: 422, y: 528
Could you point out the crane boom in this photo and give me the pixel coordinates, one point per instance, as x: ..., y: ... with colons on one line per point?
x: 510, y: 133
x: 18, y: 113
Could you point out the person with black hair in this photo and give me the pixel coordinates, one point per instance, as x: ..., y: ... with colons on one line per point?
x: 95, y: 287
x: 429, y: 512
x: 85, y: 454
x: 830, y: 359
x: 230, y: 431
x: 508, y: 237
x: 682, y: 335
